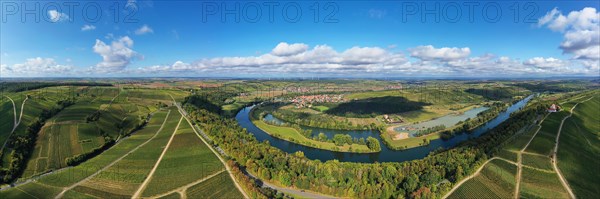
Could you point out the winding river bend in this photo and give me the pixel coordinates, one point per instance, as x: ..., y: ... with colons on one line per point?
x: 386, y: 154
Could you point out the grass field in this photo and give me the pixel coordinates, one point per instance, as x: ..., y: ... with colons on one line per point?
x: 579, y: 148
x: 291, y: 134
x: 541, y: 184
x: 496, y: 180
x: 187, y: 160
x: 219, y: 186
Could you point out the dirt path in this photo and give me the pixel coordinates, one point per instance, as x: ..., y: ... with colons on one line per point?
x: 16, y: 122
x: 555, y: 153
x: 184, y: 114
x: 518, y: 164
x: 150, y: 175
x: 61, y: 194
x: 520, y: 159
x: 181, y: 190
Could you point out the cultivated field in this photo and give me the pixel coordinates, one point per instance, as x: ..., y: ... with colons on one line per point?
x: 579, y: 148
x: 186, y: 160
x: 496, y: 180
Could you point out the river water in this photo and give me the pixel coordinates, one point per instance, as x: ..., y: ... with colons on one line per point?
x: 385, y: 155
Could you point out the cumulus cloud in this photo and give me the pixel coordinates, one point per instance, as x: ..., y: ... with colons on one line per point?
x: 295, y: 58
x: 547, y: 63
x: 56, y: 16
x: 143, y: 30
x: 36, y: 67
x: 361, y: 61
x: 428, y: 53
x: 88, y: 27
x: 116, y: 56
x: 581, y: 30
x: 285, y: 49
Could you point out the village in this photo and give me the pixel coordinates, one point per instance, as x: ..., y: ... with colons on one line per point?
x: 307, y: 100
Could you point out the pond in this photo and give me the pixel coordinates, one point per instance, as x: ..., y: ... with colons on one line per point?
x: 385, y: 155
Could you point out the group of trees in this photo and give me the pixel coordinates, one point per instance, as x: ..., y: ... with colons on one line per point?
x: 430, y: 130
x: 22, y: 145
x: 411, y: 179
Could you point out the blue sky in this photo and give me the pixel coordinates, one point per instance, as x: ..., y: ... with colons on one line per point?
x: 355, y: 38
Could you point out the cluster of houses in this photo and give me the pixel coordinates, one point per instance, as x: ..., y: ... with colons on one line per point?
x: 308, y: 100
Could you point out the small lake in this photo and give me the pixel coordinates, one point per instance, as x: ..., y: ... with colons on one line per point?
x: 447, y: 120
x: 385, y: 155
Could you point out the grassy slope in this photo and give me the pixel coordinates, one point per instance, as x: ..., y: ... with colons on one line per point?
x: 579, y: 148
x: 292, y: 135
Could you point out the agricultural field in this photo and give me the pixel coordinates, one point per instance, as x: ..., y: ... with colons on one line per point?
x: 124, y: 177
x: 496, y: 180
x: 579, y: 147
x: 186, y: 160
x: 219, y: 186
x: 541, y: 184
x: 537, y: 161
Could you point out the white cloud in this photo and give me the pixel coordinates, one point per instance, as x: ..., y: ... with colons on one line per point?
x: 87, y: 27
x: 143, y: 30
x: 377, y: 14
x: 428, y: 53
x: 36, y: 67
x: 363, y: 61
x: 581, y: 32
x: 116, y: 56
x: 56, y: 16
x: 285, y: 49
x: 546, y: 63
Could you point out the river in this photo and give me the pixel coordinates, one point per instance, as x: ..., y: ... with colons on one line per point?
x: 386, y: 154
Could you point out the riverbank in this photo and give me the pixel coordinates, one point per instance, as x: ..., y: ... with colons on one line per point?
x: 292, y: 135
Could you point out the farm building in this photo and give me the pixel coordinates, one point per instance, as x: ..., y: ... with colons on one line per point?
x: 553, y: 108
